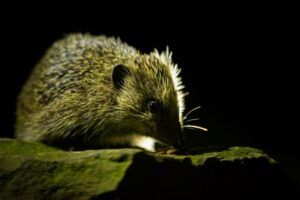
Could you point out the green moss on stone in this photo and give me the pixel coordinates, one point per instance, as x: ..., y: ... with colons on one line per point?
x: 30, y: 170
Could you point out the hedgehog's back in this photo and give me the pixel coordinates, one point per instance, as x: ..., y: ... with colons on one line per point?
x: 70, y: 65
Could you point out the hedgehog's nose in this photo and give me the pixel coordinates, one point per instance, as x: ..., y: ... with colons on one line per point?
x: 179, y: 143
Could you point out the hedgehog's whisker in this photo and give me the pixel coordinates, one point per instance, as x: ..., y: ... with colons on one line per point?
x: 189, y: 126
x: 192, y: 110
x: 190, y: 120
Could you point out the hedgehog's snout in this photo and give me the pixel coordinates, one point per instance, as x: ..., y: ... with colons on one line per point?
x: 176, y: 137
x: 179, y: 143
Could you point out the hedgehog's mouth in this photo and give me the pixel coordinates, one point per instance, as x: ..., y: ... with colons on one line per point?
x: 172, y: 141
x: 180, y: 142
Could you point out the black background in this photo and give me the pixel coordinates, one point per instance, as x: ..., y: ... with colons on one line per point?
x: 241, y: 68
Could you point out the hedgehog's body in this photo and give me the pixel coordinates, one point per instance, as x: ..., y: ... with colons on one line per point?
x: 90, y: 92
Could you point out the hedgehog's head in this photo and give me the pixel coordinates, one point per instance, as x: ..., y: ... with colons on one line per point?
x: 149, y: 98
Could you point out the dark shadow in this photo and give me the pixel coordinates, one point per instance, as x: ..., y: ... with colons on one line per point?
x: 148, y: 178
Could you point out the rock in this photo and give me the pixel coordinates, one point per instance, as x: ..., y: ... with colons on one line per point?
x: 35, y: 171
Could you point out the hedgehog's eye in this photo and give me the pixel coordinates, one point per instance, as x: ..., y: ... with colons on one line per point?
x: 153, y: 107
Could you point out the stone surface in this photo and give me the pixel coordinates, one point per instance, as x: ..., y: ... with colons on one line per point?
x: 35, y: 171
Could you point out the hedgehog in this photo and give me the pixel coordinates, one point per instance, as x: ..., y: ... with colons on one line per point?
x: 98, y: 92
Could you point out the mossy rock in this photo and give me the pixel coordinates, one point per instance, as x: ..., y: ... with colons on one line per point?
x: 35, y: 171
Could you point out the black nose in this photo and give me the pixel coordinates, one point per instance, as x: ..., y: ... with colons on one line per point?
x: 179, y: 143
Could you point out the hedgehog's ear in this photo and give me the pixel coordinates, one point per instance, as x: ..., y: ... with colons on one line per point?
x: 118, y: 75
